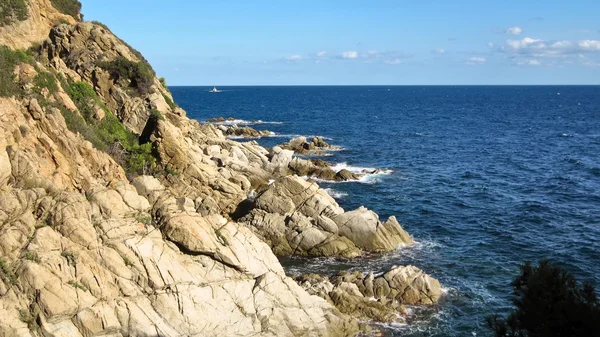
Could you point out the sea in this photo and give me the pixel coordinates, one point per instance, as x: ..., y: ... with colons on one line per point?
x: 483, y: 177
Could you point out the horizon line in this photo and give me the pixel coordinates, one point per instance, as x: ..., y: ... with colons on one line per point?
x: 381, y: 85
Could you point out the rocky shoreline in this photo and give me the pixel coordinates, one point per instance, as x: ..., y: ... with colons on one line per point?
x: 120, y: 216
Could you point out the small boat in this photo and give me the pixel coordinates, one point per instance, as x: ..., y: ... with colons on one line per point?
x: 214, y: 89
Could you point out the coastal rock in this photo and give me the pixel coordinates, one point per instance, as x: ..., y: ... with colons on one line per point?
x: 296, y: 216
x: 380, y: 298
x: 316, y: 146
x: 88, y: 248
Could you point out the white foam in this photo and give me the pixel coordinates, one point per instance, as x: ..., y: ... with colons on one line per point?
x: 241, y: 122
x: 358, y: 169
x: 335, y: 194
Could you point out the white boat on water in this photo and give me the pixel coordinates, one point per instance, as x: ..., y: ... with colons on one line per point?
x: 214, y: 89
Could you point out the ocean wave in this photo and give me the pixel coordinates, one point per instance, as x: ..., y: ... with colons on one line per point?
x: 335, y: 194
x: 241, y: 122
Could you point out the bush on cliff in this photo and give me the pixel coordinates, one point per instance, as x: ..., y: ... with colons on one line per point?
x: 8, y: 60
x: 69, y: 7
x: 12, y: 10
x: 109, y: 134
x: 139, y: 74
x: 549, y: 302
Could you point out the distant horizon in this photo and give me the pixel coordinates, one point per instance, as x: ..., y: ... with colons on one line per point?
x: 386, y: 85
x: 463, y: 42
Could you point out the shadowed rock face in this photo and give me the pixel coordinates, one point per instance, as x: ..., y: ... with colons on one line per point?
x: 85, y: 251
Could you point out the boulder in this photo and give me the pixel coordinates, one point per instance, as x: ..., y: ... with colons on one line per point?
x: 363, y: 227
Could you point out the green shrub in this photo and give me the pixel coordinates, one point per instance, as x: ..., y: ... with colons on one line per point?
x: 69, y: 7
x: 6, y: 272
x: 46, y: 80
x: 77, y: 285
x: 8, y: 60
x: 12, y: 10
x: 109, y: 134
x: 32, y: 256
x: 549, y: 302
x: 169, y: 101
x: 139, y: 74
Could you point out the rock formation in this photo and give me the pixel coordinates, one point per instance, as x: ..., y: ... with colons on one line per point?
x: 316, y: 146
x: 119, y: 216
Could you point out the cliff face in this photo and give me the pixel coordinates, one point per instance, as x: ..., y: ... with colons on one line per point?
x: 121, y: 216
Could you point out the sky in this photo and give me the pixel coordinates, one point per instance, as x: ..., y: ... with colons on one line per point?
x: 352, y: 42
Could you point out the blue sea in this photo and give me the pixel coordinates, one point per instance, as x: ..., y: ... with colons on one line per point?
x: 484, y: 178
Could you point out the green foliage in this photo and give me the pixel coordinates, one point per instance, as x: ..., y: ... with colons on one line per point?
x: 46, y: 80
x: 69, y: 7
x: 77, y: 285
x: 127, y: 261
x: 139, y: 74
x: 8, y: 60
x: 549, y: 302
x: 6, y: 272
x: 169, y: 101
x: 62, y: 21
x: 109, y: 134
x: 32, y: 256
x: 12, y: 10
x: 163, y: 82
x: 98, y: 23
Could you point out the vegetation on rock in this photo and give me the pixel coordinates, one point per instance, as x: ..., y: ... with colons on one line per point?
x: 69, y: 7
x: 139, y: 74
x: 12, y: 10
x: 108, y: 134
x: 549, y: 302
x: 8, y: 60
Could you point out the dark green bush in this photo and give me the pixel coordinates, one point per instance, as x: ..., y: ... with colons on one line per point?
x: 549, y: 302
x: 139, y: 74
x: 8, y: 60
x: 69, y: 7
x: 12, y: 10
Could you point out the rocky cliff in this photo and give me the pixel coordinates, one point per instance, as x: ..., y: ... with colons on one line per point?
x: 119, y: 216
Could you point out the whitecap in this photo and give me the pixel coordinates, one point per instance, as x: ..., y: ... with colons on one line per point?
x: 241, y: 122
x: 335, y: 194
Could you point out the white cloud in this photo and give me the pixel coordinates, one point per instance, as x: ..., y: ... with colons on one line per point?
x: 293, y: 58
x: 491, y: 44
x: 533, y: 62
x: 350, y: 55
x: 321, y: 53
x: 439, y: 51
x: 543, y: 48
x: 476, y: 60
x: 393, y: 61
x: 514, y: 31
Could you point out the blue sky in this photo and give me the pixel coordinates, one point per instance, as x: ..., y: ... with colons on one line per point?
x: 231, y: 42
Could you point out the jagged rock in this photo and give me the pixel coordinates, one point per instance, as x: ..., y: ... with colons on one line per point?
x: 316, y: 146
x: 86, y: 252
x: 375, y: 298
x: 295, y: 215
